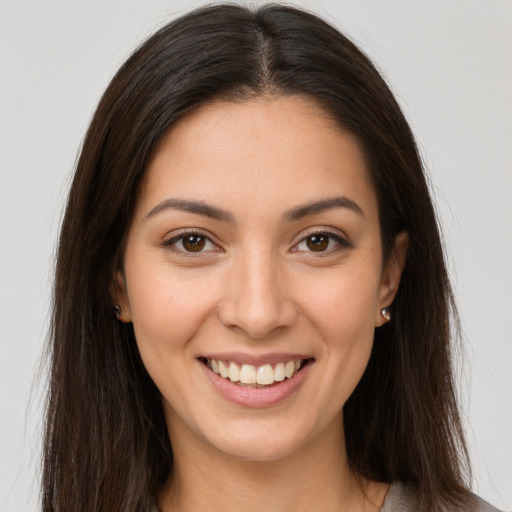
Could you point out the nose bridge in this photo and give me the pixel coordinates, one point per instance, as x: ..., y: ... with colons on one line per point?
x: 256, y: 300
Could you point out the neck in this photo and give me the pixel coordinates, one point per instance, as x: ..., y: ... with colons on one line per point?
x: 318, y: 477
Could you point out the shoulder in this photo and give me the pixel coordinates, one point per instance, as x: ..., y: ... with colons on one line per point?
x: 403, y: 498
x: 483, y: 506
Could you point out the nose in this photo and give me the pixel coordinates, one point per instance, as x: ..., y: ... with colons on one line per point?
x: 256, y: 298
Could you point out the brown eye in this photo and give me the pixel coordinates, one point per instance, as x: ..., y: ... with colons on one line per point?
x: 190, y: 243
x: 322, y: 243
x: 193, y: 243
x: 317, y: 243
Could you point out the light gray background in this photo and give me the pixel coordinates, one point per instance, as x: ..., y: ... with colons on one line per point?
x: 450, y: 64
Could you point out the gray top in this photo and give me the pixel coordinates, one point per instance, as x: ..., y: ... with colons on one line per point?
x: 401, y: 498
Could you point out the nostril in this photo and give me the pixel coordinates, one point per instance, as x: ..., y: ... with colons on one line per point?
x: 258, y: 311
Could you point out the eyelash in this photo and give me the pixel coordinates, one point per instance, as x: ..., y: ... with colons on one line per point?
x: 172, y: 242
x: 340, y: 242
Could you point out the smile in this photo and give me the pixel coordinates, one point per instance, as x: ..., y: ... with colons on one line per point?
x: 256, y: 382
x: 255, y: 376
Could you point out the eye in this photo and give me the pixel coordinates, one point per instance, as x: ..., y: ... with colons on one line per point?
x: 191, y: 243
x: 320, y: 242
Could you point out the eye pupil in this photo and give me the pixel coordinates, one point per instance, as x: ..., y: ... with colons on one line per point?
x: 317, y: 242
x: 194, y: 243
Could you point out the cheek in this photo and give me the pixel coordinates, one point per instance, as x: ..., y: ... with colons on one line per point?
x: 343, y: 314
x: 343, y: 308
x: 167, y: 309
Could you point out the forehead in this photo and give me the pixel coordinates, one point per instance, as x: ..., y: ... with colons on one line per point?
x: 261, y: 151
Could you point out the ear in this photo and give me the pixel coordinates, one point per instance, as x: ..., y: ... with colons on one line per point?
x: 391, y: 274
x: 121, y: 297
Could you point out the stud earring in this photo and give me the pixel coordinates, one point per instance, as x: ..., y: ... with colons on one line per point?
x: 117, y: 311
x: 386, y: 313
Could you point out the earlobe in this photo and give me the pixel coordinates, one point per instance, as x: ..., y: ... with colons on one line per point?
x: 391, y: 275
x: 121, y: 304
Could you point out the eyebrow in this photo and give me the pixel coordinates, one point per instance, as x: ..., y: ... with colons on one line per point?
x: 197, y: 207
x: 322, y: 206
x: 213, y: 212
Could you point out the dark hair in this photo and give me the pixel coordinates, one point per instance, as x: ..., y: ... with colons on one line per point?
x: 106, y: 444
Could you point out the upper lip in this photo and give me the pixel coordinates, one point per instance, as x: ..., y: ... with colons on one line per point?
x: 255, y: 360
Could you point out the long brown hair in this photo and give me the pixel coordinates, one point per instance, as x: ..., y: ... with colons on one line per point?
x: 106, y: 444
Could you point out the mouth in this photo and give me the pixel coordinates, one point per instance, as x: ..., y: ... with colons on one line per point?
x: 255, y: 377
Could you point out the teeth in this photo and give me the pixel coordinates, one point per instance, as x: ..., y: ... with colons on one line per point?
x: 279, y: 374
x: 233, y: 372
x: 247, y: 374
x: 289, y: 369
x: 264, y: 375
x: 223, y: 369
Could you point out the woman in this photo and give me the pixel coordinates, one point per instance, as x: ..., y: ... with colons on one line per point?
x: 252, y: 310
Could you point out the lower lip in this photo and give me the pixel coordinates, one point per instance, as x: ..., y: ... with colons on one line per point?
x: 253, y: 397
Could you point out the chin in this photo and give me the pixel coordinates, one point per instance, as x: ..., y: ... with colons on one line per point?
x: 259, y: 444
x: 258, y: 451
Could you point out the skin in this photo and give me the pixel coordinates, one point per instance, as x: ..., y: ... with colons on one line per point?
x: 257, y: 288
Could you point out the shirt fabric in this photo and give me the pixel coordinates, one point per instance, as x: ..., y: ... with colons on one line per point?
x: 402, y: 498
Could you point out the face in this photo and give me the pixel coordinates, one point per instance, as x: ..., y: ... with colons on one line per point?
x: 253, y: 275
